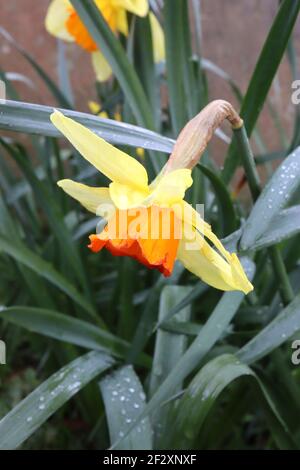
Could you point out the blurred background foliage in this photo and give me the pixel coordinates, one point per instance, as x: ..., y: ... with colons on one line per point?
x: 172, y: 362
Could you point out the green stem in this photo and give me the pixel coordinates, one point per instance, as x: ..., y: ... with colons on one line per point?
x: 248, y: 161
x: 285, y: 288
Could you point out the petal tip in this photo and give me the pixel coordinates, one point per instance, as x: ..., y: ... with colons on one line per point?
x: 61, y: 183
x: 55, y: 116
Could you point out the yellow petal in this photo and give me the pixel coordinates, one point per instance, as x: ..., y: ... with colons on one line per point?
x: 186, y: 212
x: 201, y: 264
x: 137, y: 7
x: 96, y: 200
x: 117, y: 116
x: 57, y: 15
x: 122, y: 23
x: 115, y: 164
x: 171, y: 187
x: 140, y: 152
x: 101, y: 67
x: 94, y: 107
x: 226, y: 271
x: 158, y: 39
x: 126, y: 197
x: 103, y: 115
x: 203, y: 261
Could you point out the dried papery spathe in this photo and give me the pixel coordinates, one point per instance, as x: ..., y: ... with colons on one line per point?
x: 194, y: 137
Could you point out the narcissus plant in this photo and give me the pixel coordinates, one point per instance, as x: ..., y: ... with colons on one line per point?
x: 179, y: 231
x: 63, y: 22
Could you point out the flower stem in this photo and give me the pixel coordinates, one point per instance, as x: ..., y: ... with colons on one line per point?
x: 248, y: 161
x: 285, y: 288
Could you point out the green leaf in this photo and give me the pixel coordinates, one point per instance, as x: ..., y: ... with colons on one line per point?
x: 124, y: 399
x: 292, y: 58
x: 206, y: 339
x: 35, y: 119
x: 36, y: 408
x: 69, y: 329
x: 227, y: 212
x: 23, y: 255
x: 148, y: 318
x: 219, y: 72
x: 111, y: 48
x: 169, y: 348
x: 194, y: 93
x: 181, y: 327
x: 63, y: 71
x: 21, y: 188
x: 173, y: 12
x: 264, y: 73
x: 35, y: 284
x: 196, y: 292
x: 272, y: 200
x: 53, y: 211
x: 280, y: 330
x: 52, y: 87
x: 282, y: 227
x: 201, y: 395
x: 146, y: 67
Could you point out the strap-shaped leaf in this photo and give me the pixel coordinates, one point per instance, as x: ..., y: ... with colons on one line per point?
x: 284, y: 225
x: 201, y: 395
x: 51, y: 85
x: 169, y: 348
x: 124, y: 399
x: 206, y: 339
x: 45, y: 400
x: 227, y: 212
x: 24, y: 255
x: 264, y: 73
x: 272, y: 200
x: 173, y: 12
x: 280, y: 330
x: 66, y: 328
x: 35, y: 119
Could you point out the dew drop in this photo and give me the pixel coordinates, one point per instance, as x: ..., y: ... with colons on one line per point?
x: 73, y: 386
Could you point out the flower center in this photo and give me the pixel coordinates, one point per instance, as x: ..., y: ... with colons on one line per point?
x: 149, y: 235
x: 77, y: 29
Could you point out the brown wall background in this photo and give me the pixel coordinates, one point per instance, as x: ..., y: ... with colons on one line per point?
x: 233, y: 34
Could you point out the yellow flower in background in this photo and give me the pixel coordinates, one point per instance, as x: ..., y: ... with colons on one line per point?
x: 160, y: 201
x: 96, y: 109
x: 140, y: 152
x: 63, y: 22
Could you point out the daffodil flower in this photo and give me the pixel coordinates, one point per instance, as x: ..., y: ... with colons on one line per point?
x: 63, y: 22
x: 164, y: 197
